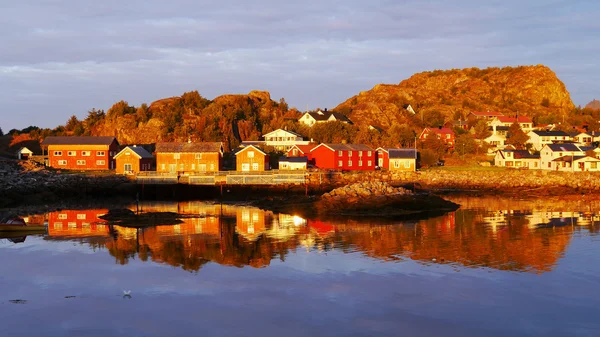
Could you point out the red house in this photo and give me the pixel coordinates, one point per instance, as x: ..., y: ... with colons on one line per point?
x: 81, y: 153
x: 343, y: 156
x: 489, y: 115
x: 445, y: 134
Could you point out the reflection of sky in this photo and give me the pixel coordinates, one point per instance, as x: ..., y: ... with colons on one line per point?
x: 311, y: 293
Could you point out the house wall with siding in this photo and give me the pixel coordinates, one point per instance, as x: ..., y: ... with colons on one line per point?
x: 402, y: 164
x: 188, y: 162
x: 244, y: 158
x: 100, y: 156
x: 326, y: 158
x: 382, y: 159
x: 137, y: 164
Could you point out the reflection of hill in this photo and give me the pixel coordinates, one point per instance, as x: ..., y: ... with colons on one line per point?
x: 510, y: 239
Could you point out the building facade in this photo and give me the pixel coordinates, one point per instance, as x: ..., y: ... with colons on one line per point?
x: 251, y: 159
x: 81, y: 153
x: 134, y: 159
x: 344, y: 157
x: 189, y: 157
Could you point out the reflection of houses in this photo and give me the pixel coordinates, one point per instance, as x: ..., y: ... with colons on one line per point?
x: 77, y: 223
x: 81, y: 153
x: 251, y: 158
x: 517, y: 159
x: 250, y: 222
x: 133, y: 159
x: 189, y: 157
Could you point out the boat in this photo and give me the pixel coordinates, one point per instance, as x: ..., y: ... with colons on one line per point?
x: 17, y: 224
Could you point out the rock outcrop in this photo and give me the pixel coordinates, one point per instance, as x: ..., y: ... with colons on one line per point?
x: 532, y: 91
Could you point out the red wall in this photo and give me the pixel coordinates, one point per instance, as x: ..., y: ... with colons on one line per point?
x: 325, y: 158
x: 386, y: 162
x: 90, y: 161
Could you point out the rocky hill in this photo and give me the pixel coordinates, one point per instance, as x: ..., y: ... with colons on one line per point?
x: 532, y: 91
x: 594, y: 105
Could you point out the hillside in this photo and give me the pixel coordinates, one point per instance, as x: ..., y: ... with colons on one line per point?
x: 593, y: 105
x: 532, y: 91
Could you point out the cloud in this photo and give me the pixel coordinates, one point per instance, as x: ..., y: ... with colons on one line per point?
x: 66, y: 57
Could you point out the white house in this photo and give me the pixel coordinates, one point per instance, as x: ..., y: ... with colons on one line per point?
x: 575, y: 164
x: 550, y: 152
x: 283, y: 139
x: 538, y: 139
x: 582, y: 138
x: 525, y: 122
x: 517, y: 159
x: 24, y: 153
x: 293, y: 163
x: 497, y: 140
x: 312, y: 118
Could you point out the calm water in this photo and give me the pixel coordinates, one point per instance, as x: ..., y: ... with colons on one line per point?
x: 496, y: 267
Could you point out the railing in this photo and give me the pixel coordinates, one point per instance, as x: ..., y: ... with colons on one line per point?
x: 274, y: 177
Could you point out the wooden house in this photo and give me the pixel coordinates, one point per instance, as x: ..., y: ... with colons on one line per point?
x: 81, y: 153
x: 538, y: 139
x: 572, y: 163
x: 283, y: 140
x: 251, y: 158
x: 133, y: 159
x: 293, y: 163
x: 189, y: 157
x: 24, y: 153
x: 402, y: 159
x: 525, y: 123
x: 344, y: 156
x: 485, y: 115
x: 517, y: 159
x: 312, y: 118
x: 550, y: 152
x: 445, y: 134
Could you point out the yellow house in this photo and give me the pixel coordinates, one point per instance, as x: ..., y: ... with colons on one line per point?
x: 251, y: 158
x: 402, y: 159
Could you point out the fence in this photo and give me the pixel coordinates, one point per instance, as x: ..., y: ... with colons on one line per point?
x: 274, y: 177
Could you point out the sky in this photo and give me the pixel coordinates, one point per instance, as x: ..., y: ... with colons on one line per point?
x: 62, y: 58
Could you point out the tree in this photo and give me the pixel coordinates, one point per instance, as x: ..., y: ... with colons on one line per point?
x: 516, y: 136
x: 433, y: 118
x: 464, y: 144
x: 72, y: 123
x: 481, y: 130
x: 434, y: 144
x: 93, y: 118
x: 143, y: 113
x: 119, y: 109
x: 400, y: 135
x: 1, y: 132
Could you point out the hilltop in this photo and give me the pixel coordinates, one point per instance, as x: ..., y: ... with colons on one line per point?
x: 532, y: 91
x: 593, y: 105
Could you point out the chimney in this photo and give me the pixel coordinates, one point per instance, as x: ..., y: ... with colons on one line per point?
x: 325, y: 110
x: 440, y: 127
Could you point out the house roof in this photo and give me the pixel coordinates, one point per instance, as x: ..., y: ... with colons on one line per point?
x: 325, y: 115
x: 499, y: 128
x: 250, y: 147
x: 522, y: 154
x: 138, y: 150
x: 345, y: 147
x: 567, y: 147
x: 550, y: 133
x: 569, y: 159
x: 402, y: 153
x: 338, y: 116
x: 486, y: 114
x: 287, y: 131
x: 439, y: 130
x: 81, y: 140
x: 304, y: 148
x: 508, y: 119
x: 24, y: 150
x: 189, y: 147
x: 293, y: 159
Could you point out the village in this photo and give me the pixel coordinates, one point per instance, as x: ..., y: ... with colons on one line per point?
x: 546, y: 149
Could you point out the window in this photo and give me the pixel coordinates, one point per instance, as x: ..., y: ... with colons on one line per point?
x: 406, y: 163
x: 87, y: 153
x: 198, y: 156
x: 176, y: 155
x: 81, y: 162
x: 295, y: 152
x: 162, y: 167
x: 340, y: 153
x: 128, y: 153
x: 100, y: 153
x: 81, y: 216
x: 181, y: 167
x: 127, y: 168
x: 71, y: 153
x: 62, y: 162
x: 212, y: 166
x: 360, y: 153
x: 349, y: 153
x: 349, y: 162
x: 549, y: 164
x: 535, y: 164
x: 72, y: 224
x: 448, y: 136
x: 62, y: 216
x: 360, y: 163
x: 58, y: 153
x: 369, y: 154
x: 254, y: 166
x: 396, y: 164
x: 193, y: 167
x: 593, y: 165
x: 369, y: 163
x: 100, y: 163
x: 339, y: 163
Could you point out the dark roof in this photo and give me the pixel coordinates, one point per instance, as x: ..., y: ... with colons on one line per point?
x: 338, y: 116
x: 550, y: 133
x: 189, y: 147
x: 402, y: 153
x: 572, y: 158
x: 523, y: 154
x: 499, y: 128
x: 566, y: 147
x: 294, y: 159
x: 324, y: 116
x: 83, y: 140
x: 140, y: 151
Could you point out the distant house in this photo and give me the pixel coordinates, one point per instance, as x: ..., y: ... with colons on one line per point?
x: 582, y: 138
x: 133, y: 159
x: 251, y: 158
x: 550, y: 152
x: 81, y: 153
x: 525, y: 122
x: 497, y: 140
x: 517, y: 159
x: 445, y: 134
x: 189, y: 157
x: 575, y: 164
x: 24, y: 153
x: 489, y: 115
x: 343, y: 156
x: 457, y: 124
x: 538, y: 139
x: 312, y: 118
x: 283, y: 140
x: 402, y: 159
x: 409, y: 108
x: 293, y: 163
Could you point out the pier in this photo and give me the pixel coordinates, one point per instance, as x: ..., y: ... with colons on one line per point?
x: 273, y: 177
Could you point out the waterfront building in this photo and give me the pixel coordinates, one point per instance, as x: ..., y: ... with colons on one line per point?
x: 81, y: 153
x: 189, y: 157
x: 133, y: 159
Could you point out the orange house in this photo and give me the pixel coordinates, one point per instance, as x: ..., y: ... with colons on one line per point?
x: 81, y: 153
x: 189, y: 157
x: 251, y: 158
x: 133, y: 159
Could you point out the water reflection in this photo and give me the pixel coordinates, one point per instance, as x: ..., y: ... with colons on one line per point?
x: 500, y: 234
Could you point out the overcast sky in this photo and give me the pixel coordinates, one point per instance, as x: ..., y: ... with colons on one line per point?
x: 59, y: 58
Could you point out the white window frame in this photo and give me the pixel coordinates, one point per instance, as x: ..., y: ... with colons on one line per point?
x: 100, y: 162
x: 81, y: 162
x: 62, y: 162
x: 58, y: 153
x: 340, y: 164
x: 100, y: 153
x: 349, y: 162
x: 250, y: 154
x: 72, y: 153
x: 176, y: 155
x: 86, y: 153
x: 254, y: 166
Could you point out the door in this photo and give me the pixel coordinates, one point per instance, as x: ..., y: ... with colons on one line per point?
x: 245, y: 167
x: 380, y: 162
x: 127, y: 168
x: 172, y: 167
